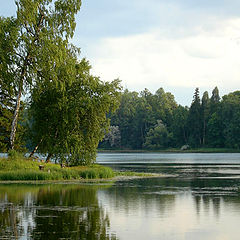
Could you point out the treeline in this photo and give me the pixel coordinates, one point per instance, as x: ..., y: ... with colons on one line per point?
x: 155, y: 121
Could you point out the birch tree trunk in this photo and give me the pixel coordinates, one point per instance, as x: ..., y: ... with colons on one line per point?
x: 15, y: 118
x: 18, y: 102
x: 36, y: 148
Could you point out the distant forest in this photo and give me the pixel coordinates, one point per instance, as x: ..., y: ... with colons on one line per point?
x: 155, y: 121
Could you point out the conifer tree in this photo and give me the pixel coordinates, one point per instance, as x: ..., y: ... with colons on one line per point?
x: 214, y: 100
x: 194, y: 120
x: 205, y: 106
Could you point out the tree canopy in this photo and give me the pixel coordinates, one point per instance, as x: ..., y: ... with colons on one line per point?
x: 69, y: 123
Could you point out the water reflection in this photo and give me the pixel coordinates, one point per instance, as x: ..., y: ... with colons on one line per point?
x: 52, y: 212
x: 200, y: 201
x: 158, y: 208
x: 174, y: 208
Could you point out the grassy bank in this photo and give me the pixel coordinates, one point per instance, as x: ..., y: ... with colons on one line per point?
x: 173, y: 150
x: 27, y: 169
x: 24, y: 169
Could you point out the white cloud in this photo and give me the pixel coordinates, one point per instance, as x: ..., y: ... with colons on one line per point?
x: 208, y: 58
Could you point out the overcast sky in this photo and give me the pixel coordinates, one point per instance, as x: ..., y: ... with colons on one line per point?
x: 175, y: 44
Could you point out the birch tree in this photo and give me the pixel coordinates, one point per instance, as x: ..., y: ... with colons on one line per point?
x: 69, y: 122
x: 43, y: 29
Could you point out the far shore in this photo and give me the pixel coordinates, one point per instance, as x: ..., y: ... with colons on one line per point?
x: 172, y: 150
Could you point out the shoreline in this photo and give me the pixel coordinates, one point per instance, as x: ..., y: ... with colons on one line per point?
x: 86, y: 181
x: 28, y: 171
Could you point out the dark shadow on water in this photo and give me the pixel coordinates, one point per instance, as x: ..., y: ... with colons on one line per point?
x: 52, y: 212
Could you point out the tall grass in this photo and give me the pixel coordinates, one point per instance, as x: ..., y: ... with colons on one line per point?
x: 95, y: 172
x: 28, y: 175
x: 14, y: 155
x: 26, y: 169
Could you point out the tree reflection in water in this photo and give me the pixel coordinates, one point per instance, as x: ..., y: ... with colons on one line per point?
x: 200, y: 208
x: 52, y: 212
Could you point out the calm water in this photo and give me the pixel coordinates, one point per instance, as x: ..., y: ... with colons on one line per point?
x: 199, y: 200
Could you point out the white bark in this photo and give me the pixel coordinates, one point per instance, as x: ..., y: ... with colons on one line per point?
x: 15, y: 119
x: 18, y: 102
x: 35, y: 149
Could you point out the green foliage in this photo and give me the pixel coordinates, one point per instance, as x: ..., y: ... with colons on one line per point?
x: 158, y: 137
x: 69, y: 122
x: 214, y: 100
x: 139, y: 112
x: 205, y: 114
x: 6, y: 115
x: 179, y: 127
x: 6, y: 112
x: 215, y: 131
x: 195, y: 121
x: 209, y: 122
x: 230, y: 110
x: 124, y: 118
x: 34, y: 46
x: 9, y: 33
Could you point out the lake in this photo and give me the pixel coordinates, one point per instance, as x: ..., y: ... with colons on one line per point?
x: 199, y: 199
